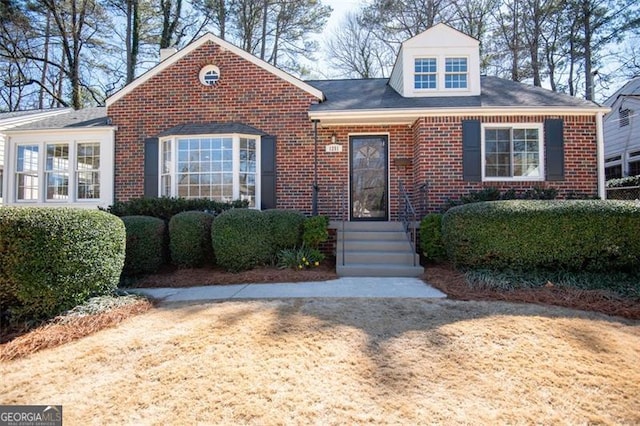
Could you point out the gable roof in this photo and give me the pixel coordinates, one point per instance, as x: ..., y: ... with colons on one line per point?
x: 630, y: 89
x: 210, y: 38
x: 376, y: 98
x: 440, y: 35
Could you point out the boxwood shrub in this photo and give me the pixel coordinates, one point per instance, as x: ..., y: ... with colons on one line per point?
x: 241, y: 239
x: 146, y: 245
x: 190, y: 239
x: 577, y: 235
x: 52, y: 259
x: 166, y: 207
x: 431, y: 238
x: 285, y: 227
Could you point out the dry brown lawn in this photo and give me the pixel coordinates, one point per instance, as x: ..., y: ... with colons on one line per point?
x: 342, y: 362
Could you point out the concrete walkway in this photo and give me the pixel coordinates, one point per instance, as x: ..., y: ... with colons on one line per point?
x: 339, y: 288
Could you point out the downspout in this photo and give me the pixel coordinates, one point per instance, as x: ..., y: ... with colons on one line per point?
x: 314, y: 200
x: 602, y: 191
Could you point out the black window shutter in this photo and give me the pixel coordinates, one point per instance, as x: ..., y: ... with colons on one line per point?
x: 151, y: 172
x: 268, y: 173
x: 554, y: 148
x: 471, y: 151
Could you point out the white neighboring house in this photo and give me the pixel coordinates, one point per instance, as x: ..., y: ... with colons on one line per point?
x: 64, y: 159
x: 10, y: 120
x: 622, y: 132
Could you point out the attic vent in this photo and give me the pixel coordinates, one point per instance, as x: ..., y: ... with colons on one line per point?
x: 624, y: 117
x: 209, y: 75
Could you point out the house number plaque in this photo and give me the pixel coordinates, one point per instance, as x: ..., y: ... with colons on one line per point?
x: 333, y: 147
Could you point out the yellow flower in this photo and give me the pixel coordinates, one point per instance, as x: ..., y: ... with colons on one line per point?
x: 306, y: 263
x: 317, y: 263
x: 299, y: 266
x: 304, y: 259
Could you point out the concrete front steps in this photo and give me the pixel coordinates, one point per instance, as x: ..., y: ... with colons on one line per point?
x: 375, y: 249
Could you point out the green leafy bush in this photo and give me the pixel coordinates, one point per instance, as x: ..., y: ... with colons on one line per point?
x: 494, y: 194
x: 431, y: 238
x: 166, y: 207
x: 146, y: 245
x: 315, y: 231
x: 190, y: 239
x: 54, y: 259
x: 285, y: 228
x: 299, y: 258
x: 241, y: 239
x: 579, y: 235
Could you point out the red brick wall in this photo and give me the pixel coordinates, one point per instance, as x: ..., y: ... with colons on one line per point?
x: 438, y: 158
x: 250, y: 95
x: 245, y: 93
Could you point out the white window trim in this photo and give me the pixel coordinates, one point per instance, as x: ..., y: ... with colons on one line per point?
x: 204, y: 71
x: 235, y: 137
x: 441, y: 72
x: 437, y: 73
x: 42, y: 172
x: 541, y: 159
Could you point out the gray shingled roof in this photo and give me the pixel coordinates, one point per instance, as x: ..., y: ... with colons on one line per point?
x: 210, y: 128
x: 16, y: 114
x: 86, y: 117
x: 496, y: 92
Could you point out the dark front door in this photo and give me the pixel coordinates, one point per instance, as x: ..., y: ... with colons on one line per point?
x: 369, y: 177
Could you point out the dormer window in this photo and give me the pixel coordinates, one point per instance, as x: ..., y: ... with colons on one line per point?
x: 455, y: 76
x: 426, y: 76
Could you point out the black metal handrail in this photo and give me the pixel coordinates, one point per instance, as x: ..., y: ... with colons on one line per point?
x: 407, y: 215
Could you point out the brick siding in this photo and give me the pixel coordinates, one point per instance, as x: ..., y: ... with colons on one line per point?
x: 251, y: 95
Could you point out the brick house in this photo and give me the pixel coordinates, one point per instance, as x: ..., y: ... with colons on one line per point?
x: 211, y: 120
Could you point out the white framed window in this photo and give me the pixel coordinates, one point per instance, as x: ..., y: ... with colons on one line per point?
x: 209, y: 75
x: 57, y: 172
x: 456, y: 73
x: 218, y: 167
x: 613, y: 167
x: 633, y: 165
x: 512, y: 152
x: 426, y: 73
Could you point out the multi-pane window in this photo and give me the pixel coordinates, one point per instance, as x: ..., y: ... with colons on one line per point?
x: 455, y: 73
x: 248, y: 164
x: 512, y: 152
x: 613, y: 167
x: 221, y: 168
x: 57, y: 172
x: 68, y: 172
x: 27, y: 182
x: 634, y: 163
x: 425, y: 73
x: 88, y: 171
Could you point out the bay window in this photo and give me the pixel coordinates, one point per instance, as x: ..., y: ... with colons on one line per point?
x: 512, y: 152
x: 218, y: 167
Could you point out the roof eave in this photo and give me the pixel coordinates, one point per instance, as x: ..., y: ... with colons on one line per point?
x: 409, y: 115
x: 61, y: 129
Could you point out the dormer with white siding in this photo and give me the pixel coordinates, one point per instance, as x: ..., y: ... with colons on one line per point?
x: 440, y: 61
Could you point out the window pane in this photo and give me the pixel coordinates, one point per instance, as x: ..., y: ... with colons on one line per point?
x: 88, y: 185
x: 425, y: 81
x: 202, y: 167
x: 57, y: 186
x: 425, y: 65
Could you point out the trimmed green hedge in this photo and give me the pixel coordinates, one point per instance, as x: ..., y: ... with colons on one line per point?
x: 52, y: 259
x: 285, y: 229
x: 166, y: 207
x: 146, y: 245
x: 431, y: 238
x: 241, y: 239
x: 579, y: 235
x: 190, y: 239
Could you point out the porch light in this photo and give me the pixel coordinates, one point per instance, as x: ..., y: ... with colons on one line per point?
x: 334, y: 138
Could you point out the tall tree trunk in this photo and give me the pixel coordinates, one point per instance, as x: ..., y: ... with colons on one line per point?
x: 45, y: 65
x: 588, y: 64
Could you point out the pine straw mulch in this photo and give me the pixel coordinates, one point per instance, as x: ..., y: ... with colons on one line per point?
x: 174, y: 277
x: 64, y: 329
x: 453, y: 283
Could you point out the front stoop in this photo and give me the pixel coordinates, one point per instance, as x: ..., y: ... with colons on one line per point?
x: 375, y: 249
